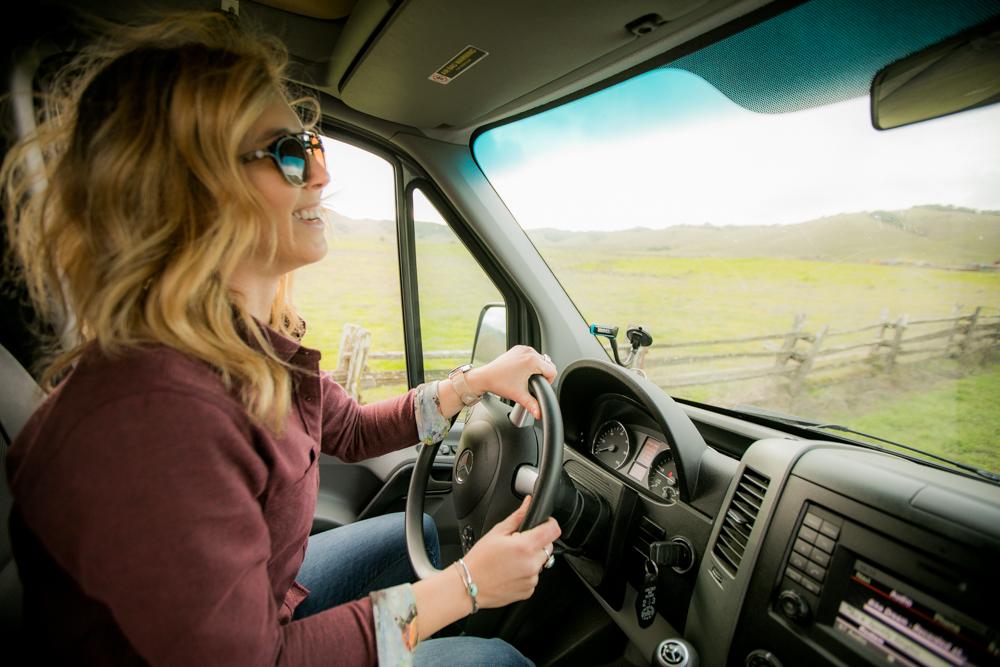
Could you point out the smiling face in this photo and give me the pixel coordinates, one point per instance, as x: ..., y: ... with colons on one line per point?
x: 294, y: 211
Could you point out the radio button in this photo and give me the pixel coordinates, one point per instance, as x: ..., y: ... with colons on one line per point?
x: 793, y: 606
x: 815, y: 571
x: 812, y: 521
x: 811, y: 585
x: 825, y: 543
x: 819, y: 557
x: 803, y: 548
x: 798, y: 560
x: 830, y: 530
x: 808, y: 534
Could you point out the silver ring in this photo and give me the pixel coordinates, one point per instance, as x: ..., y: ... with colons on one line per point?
x: 550, y: 559
x: 547, y: 358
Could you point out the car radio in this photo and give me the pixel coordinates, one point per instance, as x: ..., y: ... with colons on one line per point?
x: 843, y: 585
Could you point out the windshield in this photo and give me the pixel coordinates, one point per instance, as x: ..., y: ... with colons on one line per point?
x: 782, y: 253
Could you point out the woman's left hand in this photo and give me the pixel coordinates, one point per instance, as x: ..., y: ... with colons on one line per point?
x: 508, y: 375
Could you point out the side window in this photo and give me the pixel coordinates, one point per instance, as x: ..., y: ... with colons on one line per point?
x: 351, y: 299
x: 453, y: 289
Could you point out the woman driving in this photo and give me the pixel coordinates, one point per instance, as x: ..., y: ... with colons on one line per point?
x: 165, y: 490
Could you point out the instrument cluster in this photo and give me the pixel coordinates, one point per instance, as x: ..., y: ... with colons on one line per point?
x: 641, y: 456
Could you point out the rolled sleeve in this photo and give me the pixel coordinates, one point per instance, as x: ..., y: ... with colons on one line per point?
x: 395, y: 612
x: 432, y: 427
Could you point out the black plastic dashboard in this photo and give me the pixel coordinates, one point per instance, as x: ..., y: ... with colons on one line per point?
x: 806, y: 552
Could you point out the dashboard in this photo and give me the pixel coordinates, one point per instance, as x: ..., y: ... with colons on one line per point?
x: 804, y: 551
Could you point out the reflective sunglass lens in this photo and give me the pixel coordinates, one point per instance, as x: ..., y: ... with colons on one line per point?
x: 292, y: 159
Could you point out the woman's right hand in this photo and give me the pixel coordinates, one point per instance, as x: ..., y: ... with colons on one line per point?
x: 505, y: 564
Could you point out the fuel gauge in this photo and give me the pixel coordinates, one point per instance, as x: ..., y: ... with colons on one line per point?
x: 663, y: 476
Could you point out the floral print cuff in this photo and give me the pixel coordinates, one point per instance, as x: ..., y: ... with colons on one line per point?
x: 431, y: 424
x: 396, y: 637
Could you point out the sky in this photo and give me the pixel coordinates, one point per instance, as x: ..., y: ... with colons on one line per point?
x: 361, y: 185
x: 721, y: 164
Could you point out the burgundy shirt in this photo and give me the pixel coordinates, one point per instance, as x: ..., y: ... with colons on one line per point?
x: 155, y: 522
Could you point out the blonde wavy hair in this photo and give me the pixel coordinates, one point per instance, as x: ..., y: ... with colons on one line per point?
x: 133, y: 221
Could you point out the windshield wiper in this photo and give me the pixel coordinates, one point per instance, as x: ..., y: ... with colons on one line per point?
x: 813, y: 425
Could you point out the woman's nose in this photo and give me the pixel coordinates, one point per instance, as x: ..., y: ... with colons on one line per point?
x: 318, y: 175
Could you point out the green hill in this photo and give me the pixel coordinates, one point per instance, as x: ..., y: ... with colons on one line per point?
x: 938, y: 235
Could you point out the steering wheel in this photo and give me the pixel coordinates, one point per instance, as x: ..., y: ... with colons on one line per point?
x: 495, y: 463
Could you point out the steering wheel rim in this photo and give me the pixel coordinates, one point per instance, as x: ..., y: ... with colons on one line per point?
x: 543, y: 494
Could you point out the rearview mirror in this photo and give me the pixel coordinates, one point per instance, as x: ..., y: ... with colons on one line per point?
x: 958, y: 74
x: 491, y: 334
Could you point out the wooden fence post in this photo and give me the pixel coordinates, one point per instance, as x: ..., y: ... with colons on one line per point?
x: 875, y: 355
x: 956, y: 313
x: 791, y: 338
x: 897, y: 341
x: 806, y: 363
x: 996, y: 336
x: 355, y: 342
x: 965, y: 345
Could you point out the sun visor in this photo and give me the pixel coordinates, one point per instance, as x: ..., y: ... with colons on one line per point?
x: 441, y: 63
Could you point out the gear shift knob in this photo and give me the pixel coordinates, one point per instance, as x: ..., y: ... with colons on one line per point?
x: 675, y: 653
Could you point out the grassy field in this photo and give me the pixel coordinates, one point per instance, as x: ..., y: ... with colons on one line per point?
x: 959, y: 411
x: 358, y: 283
x: 733, y: 291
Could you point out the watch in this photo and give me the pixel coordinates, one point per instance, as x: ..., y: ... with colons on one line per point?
x: 461, y: 385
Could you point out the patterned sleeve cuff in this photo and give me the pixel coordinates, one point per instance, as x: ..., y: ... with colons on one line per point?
x: 395, y: 612
x: 431, y: 424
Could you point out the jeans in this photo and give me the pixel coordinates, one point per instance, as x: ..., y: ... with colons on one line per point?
x: 347, y: 563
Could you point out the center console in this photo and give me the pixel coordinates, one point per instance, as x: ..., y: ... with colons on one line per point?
x: 852, y: 585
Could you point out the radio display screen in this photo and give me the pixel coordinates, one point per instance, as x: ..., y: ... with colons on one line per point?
x: 892, y: 620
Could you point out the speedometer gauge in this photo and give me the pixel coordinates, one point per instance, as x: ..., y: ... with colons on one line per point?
x: 663, y: 476
x: 611, y: 444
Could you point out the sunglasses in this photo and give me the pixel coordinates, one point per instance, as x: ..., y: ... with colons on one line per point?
x: 290, y: 153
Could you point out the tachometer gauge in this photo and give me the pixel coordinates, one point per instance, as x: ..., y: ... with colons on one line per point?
x: 611, y: 444
x: 663, y: 476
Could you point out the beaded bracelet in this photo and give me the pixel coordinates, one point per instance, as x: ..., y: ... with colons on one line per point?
x: 470, y: 586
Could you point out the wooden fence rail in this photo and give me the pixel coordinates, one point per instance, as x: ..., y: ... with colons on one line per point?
x: 805, y: 354
x: 796, y: 353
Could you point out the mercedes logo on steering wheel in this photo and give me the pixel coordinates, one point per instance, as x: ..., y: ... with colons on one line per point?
x: 464, y: 467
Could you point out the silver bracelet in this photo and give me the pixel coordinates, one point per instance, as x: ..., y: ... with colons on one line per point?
x: 470, y: 586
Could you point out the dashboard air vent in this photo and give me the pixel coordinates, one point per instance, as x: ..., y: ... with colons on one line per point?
x: 739, y: 519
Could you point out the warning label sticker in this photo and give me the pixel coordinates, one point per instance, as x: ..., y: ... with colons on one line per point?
x: 458, y: 65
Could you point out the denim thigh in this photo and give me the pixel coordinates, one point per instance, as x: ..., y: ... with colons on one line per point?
x: 347, y: 563
x: 468, y: 652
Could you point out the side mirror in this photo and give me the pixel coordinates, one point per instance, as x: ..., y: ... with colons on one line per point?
x: 958, y: 74
x: 491, y: 334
